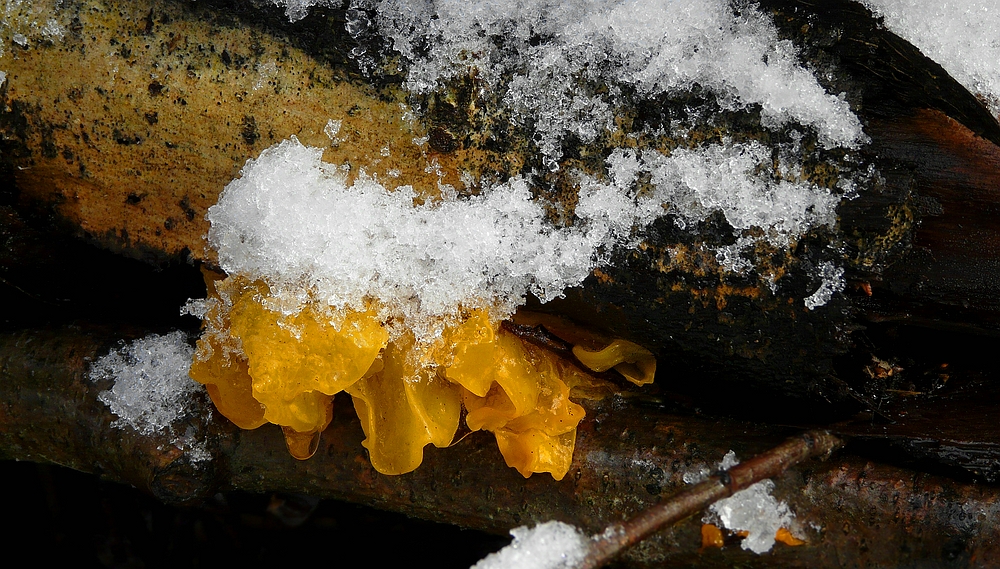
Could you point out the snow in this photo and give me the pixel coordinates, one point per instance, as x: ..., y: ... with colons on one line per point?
x: 753, y: 510
x: 560, y: 69
x: 963, y: 36
x: 697, y: 183
x: 332, y: 129
x: 832, y: 282
x: 294, y: 221
x: 551, y: 545
x: 265, y: 73
x: 52, y: 30
x: 540, y: 54
x: 151, y: 385
x: 23, y: 23
x: 295, y: 10
x: 729, y: 460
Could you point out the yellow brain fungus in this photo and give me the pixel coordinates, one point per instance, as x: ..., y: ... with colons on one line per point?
x: 596, y: 352
x: 634, y: 362
x: 261, y: 364
x: 403, y: 408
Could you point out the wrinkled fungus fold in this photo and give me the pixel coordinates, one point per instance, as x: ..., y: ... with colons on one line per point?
x: 261, y: 365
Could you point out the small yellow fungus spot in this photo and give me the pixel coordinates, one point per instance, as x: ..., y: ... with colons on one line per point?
x: 786, y: 537
x: 711, y: 536
x: 598, y: 353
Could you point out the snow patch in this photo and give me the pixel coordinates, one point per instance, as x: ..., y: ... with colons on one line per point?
x: 294, y: 221
x: 551, y: 545
x: 152, y: 389
x: 832, y: 281
x: 963, y: 36
x: 543, y: 53
x: 753, y: 510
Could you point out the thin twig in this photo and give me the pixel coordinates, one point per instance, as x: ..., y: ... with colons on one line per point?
x: 617, y: 537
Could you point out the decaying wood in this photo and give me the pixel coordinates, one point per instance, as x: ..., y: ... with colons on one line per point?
x: 130, y: 126
x: 159, y: 104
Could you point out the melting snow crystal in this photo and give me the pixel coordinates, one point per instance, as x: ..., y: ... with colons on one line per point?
x: 552, y: 545
x: 295, y: 10
x: 151, y: 383
x: 753, y: 510
x: 832, y: 282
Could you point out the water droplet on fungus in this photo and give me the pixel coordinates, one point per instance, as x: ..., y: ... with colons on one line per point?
x: 301, y: 445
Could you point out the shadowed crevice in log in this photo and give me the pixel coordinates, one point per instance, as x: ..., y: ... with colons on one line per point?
x: 52, y: 277
x: 72, y: 518
x: 953, y: 262
x: 322, y: 34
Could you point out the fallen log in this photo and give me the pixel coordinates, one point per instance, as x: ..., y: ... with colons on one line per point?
x: 852, y: 511
x: 132, y: 145
x: 160, y: 104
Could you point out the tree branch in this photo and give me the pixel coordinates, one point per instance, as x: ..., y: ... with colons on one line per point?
x: 628, y: 455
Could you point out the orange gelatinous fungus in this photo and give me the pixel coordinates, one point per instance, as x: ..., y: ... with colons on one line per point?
x: 473, y: 343
x: 595, y: 351
x: 786, y: 537
x: 403, y: 408
x: 534, y: 451
x: 527, y: 408
x: 297, y: 363
x: 224, y: 372
x: 262, y: 362
x: 636, y: 363
x: 711, y: 536
x: 488, y: 413
x: 229, y: 385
